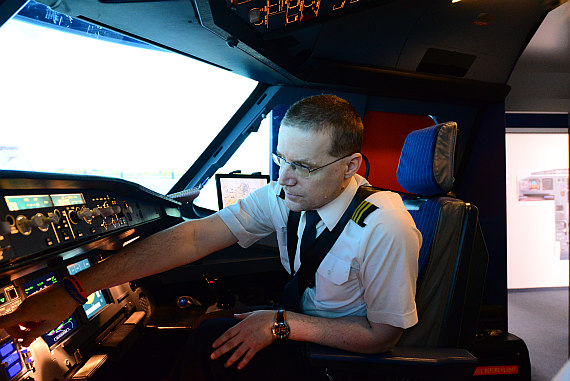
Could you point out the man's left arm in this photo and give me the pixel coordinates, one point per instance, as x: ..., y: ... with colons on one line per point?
x: 354, y: 333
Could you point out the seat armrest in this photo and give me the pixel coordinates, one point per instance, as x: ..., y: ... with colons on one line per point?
x: 427, y: 363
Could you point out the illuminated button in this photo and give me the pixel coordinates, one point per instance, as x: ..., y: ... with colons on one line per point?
x: 93, y: 230
x: 13, y: 294
x: 2, y: 298
x: 79, y: 233
x: 49, y: 241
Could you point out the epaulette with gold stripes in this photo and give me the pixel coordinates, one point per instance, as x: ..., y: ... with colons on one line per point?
x: 362, y: 211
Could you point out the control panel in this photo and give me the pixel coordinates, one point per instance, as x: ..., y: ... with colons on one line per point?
x: 42, y: 220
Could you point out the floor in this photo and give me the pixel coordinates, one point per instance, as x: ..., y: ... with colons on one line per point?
x: 540, y: 318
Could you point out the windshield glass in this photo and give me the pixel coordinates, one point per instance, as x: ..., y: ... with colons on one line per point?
x: 105, y: 106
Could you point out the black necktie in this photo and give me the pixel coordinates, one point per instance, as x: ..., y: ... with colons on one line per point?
x: 294, y: 289
x: 310, y: 232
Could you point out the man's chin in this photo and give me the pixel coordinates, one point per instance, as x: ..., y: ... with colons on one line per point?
x: 294, y: 206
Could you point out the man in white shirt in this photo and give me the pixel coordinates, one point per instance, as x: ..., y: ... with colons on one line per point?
x: 363, y: 296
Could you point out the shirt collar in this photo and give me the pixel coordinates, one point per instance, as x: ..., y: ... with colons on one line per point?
x: 331, y: 212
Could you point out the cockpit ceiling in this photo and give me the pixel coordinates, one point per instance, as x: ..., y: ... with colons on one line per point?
x: 331, y: 42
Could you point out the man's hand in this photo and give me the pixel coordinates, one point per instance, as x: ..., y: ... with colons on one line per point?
x: 247, y: 337
x: 52, y: 305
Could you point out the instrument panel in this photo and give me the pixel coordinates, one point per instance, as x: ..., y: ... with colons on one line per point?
x: 42, y: 214
x: 55, y: 225
x: 270, y: 15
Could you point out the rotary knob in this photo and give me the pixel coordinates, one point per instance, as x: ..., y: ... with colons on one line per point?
x: 42, y: 222
x: 96, y: 212
x: 84, y: 213
x: 24, y: 225
x: 116, y: 209
x: 107, y: 211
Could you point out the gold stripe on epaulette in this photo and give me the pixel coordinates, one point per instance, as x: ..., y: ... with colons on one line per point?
x: 364, y: 205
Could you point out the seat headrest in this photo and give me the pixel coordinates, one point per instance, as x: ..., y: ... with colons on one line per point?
x: 426, y: 161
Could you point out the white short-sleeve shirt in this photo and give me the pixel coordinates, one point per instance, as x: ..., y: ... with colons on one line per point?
x: 370, y: 271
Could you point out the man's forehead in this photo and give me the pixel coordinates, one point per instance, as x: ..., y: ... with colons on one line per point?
x: 302, y: 145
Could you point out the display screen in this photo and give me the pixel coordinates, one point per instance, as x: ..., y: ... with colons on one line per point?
x: 11, y: 358
x: 16, y: 203
x: 39, y: 283
x: 67, y: 199
x: 234, y: 187
x: 37, y: 201
x: 268, y: 15
x: 95, y: 301
x: 68, y: 325
x: 65, y: 328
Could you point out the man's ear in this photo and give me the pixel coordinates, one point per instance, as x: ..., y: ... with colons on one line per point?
x: 353, y: 165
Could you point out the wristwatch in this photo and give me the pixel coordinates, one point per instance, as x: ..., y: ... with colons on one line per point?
x: 280, y: 328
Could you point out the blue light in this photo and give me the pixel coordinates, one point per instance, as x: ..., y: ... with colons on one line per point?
x: 7, y: 349
x: 15, y: 369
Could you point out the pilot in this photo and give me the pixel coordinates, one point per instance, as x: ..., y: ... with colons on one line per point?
x: 359, y: 296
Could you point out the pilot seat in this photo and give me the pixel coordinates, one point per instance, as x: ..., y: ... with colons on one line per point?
x: 452, y: 269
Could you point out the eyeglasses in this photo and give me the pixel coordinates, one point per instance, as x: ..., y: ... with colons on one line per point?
x: 300, y: 169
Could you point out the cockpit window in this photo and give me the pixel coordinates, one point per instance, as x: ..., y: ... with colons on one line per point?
x: 104, y: 106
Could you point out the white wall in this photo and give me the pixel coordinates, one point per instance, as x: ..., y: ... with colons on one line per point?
x: 533, y: 255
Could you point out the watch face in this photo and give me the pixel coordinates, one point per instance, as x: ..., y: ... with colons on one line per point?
x: 281, y: 330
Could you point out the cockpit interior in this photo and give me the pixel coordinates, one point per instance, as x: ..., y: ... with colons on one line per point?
x: 404, y: 65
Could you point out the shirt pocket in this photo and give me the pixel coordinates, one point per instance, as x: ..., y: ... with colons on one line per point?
x: 334, y: 282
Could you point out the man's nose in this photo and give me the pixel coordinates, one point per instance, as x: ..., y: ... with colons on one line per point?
x: 286, y: 176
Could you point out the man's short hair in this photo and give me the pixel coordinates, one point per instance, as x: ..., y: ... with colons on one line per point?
x: 332, y: 115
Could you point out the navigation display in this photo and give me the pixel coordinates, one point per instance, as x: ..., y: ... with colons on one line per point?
x: 16, y: 203
x: 95, y: 301
x: 39, y: 283
x: 65, y: 328
x: 67, y: 199
x: 68, y: 325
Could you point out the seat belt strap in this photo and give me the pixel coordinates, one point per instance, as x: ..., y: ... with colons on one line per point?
x: 357, y: 210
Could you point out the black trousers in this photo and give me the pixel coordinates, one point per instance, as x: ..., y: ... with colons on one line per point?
x: 282, y: 360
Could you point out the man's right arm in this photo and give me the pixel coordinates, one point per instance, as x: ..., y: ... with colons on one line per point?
x: 173, y: 247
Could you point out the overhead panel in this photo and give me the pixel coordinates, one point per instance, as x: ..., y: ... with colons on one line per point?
x: 493, y: 32
x: 356, y: 44
x: 173, y: 25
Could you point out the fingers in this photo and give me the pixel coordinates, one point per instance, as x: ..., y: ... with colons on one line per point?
x: 225, y: 348
x: 238, y: 353
x: 243, y: 351
x: 247, y: 358
x: 249, y: 336
x: 225, y: 337
x: 242, y: 316
x: 26, y: 332
x: 31, y: 335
